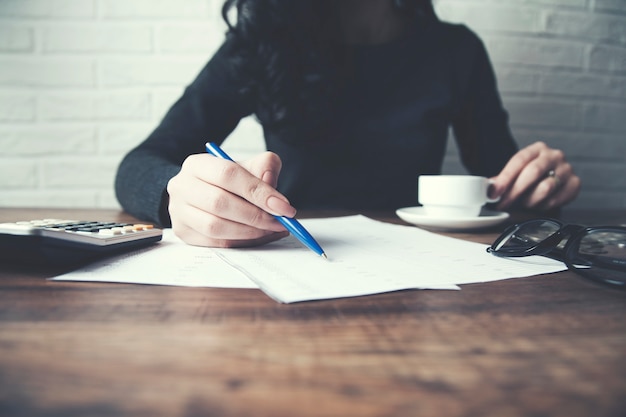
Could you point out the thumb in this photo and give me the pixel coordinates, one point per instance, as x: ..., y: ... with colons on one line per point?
x: 496, y: 188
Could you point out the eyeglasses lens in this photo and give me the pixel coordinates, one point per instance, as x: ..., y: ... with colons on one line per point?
x: 529, y: 234
x: 603, y: 254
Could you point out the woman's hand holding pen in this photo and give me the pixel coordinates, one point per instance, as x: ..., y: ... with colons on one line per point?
x: 536, y: 177
x: 219, y: 203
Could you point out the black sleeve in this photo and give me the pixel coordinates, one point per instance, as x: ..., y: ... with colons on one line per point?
x: 209, y: 110
x: 480, y: 123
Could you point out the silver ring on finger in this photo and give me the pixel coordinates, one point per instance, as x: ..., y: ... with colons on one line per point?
x: 556, y: 178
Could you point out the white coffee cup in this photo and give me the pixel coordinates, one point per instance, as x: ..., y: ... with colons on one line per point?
x: 453, y: 195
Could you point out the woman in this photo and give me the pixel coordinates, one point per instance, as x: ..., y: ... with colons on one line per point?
x: 355, y: 98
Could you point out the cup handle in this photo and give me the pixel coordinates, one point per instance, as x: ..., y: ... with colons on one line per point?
x: 491, y: 200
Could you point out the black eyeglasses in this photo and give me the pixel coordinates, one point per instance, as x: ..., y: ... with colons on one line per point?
x: 596, y: 253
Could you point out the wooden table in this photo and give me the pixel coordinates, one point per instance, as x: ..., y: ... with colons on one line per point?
x: 540, y: 346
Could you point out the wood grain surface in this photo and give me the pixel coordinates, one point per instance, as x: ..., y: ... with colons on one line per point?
x: 541, y: 346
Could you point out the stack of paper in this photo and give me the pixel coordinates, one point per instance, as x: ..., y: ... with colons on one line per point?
x: 365, y: 256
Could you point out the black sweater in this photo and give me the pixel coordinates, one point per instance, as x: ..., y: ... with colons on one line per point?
x: 392, y: 125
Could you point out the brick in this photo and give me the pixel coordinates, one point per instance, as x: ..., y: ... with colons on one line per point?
x: 190, y: 37
x: 561, y: 68
x: 533, y: 51
x: 602, y: 176
x: 107, y: 200
x: 605, y: 117
x: 38, y: 140
x: 96, y: 38
x: 587, y: 27
x: 149, y: 71
x: 16, y: 173
x: 73, y: 173
x: 507, y: 19
x: 164, y: 98
x: 517, y: 80
x: 610, y: 5
x: 38, y: 71
x: 592, y: 199
x: 60, y: 198
x: 583, y: 85
x: 170, y: 9
x: 47, y: 8
x: 14, y: 38
x: 536, y: 112
x: 579, y: 146
x: 570, y: 4
x: 118, y: 139
x: 17, y: 107
x: 608, y: 59
x: 95, y: 106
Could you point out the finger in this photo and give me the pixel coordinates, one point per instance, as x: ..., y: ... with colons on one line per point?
x: 511, y: 171
x: 235, y: 179
x: 200, y: 228
x: 528, y: 187
x: 552, y: 188
x: 208, y: 199
x: 540, y: 193
x: 568, y: 192
x: 193, y: 237
x: 552, y: 184
x: 527, y: 182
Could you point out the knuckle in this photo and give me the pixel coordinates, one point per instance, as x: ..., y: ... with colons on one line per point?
x: 212, y: 229
x: 256, y: 218
x: 218, y: 203
x: 173, y: 185
x: 576, y: 183
x: 190, y: 162
x: 228, y: 172
x: 222, y: 243
x: 257, y: 192
x: 536, y: 171
x: 178, y: 230
x: 273, y: 159
x: 528, y: 154
x: 545, y: 188
x: 559, y: 155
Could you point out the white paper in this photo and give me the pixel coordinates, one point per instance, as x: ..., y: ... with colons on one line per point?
x: 365, y: 256
x: 169, y: 262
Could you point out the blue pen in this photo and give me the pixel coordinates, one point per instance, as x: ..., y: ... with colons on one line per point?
x: 291, y: 224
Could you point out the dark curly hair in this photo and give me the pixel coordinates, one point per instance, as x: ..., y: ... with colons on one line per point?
x: 289, y: 56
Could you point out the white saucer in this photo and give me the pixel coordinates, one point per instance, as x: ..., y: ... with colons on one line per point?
x: 416, y: 216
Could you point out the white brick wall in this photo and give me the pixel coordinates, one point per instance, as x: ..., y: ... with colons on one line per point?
x: 83, y: 81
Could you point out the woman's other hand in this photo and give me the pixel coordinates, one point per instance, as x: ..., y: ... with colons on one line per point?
x: 537, y: 177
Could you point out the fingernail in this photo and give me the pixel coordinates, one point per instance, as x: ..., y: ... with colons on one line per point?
x: 280, y: 207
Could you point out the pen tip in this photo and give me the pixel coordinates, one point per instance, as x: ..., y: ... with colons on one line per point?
x: 323, y: 255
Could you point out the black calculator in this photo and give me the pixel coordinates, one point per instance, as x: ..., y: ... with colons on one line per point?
x: 71, y: 242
